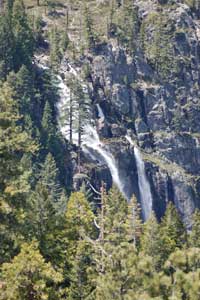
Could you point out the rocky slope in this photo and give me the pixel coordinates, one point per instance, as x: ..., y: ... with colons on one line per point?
x: 152, y: 95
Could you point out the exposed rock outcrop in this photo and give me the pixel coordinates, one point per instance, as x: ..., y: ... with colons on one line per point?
x: 154, y: 94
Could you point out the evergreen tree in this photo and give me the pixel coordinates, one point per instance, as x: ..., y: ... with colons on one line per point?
x: 55, y: 54
x: 23, y: 86
x: 24, y: 40
x: 6, y: 45
x: 48, y: 177
x: 150, y: 240
x: 82, y: 284
x: 134, y: 221
x: 59, y: 42
x: 115, y: 251
x: 45, y: 223
x: 83, y: 109
x: 127, y: 25
x: 14, y: 184
x: 183, y: 269
x: 194, y: 236
x: 79, y: 228
x: 77, y: 111
x: 173, y: 233
x: 89, y: 33
x: 48, y: 125
x: 79, y: 220
x: 28, y: 276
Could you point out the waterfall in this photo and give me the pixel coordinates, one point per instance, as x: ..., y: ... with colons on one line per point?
x: 144, y: 186
x: 64, y: 110
x: 129, y: 140
x: 100, y: 113
x: 143, y: 183
x: 91, y: 141
x: 63, y: 106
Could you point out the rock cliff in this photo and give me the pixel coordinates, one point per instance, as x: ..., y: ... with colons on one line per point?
x: 150, y: 92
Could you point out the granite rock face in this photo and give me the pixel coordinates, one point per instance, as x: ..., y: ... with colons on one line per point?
x: 153, y: 95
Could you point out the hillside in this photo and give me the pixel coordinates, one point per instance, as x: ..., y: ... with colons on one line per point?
x: 99, y: 149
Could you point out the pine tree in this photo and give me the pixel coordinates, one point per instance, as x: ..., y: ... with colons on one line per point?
x: 41, y: 213
x: 24, y: 40
x: 82, y: 285
x: 134, y: 221
x: 78, y: 111
x: 194, y: 236
x: 23, y: 86
x: 6, y: 46
x: 183, y: 269
x: 58, y: 44
x: 48, y: 125
x: 79, y: 227
x: 14, y: 185
x: 79, y: 218
x: 48, y: 177
x: 150, y: 240
x: 55, y: 54
x: 173, y: 233
x: 28, y: 276
x: 89, y: 32
x: 44, y: 215
x: 127, y: 25
x: 115, y: 251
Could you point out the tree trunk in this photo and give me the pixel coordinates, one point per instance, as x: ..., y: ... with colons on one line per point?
x: 70, y: 118
x: 102, y: 227
x: 79, y: 138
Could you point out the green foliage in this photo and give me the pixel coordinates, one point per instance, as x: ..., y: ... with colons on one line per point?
x: 59, y: 42
x: 48, y: 177
x: 23, y: 35
x: 79, y: 218
x: 79, y: 109
x: 109, y: 254
x: 157, y: 44
x: 14, y: 184
x: 37, y: 29
x: 150, y: 240
x: 6, y: 46
x: 22, y: 83
x: 194, y: 237
x: 82, y: 284
x: 127, y: 25
x: 79, y: 225
x: 28, y: 276
x: 89, y: 33
x: 115, y: 251
x: 16, y: 38
x: 48, y: 123
x: 173, y: 234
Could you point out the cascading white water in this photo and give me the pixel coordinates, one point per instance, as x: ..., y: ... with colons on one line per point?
x: 144, y: 186
x: 91, y: 141
x: 63, y: 106
x: 64, y: 110
x: 100, y: 113
x: 130, y: 140
x: 143, y: 183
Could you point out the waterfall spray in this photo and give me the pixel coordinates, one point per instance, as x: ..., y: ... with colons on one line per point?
x: 100, y: 113
x: 91, y: 141
x: 143, y: 183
